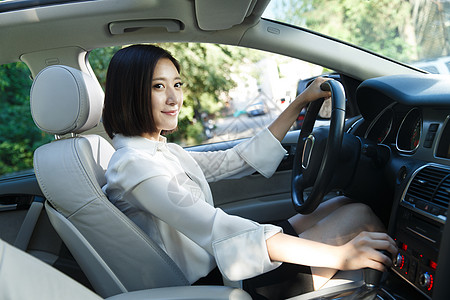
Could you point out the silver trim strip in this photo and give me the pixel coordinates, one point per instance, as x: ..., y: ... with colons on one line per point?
x: 421, y: 235
x: 400, y: 128
x: 389, y: 107
x: 439, y: 137
x: 312, y: 139
x: 6, y: 207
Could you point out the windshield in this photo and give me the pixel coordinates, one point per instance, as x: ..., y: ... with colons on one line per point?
x: 411, y: 31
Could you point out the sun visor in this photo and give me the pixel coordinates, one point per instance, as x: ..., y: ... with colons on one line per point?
x: 220, y: 14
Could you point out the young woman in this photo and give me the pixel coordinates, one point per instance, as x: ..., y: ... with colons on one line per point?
x: 165, y: 191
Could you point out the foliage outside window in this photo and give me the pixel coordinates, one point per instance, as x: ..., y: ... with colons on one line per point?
x: 19, y: 136
x: 221, y: 84
x: 405, y: 30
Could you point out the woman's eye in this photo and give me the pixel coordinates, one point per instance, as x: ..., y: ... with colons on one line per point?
x: 179, y: 84
x: 158, y: 86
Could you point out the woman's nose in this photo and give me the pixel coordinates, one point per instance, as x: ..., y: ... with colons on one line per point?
x: 171, y: 97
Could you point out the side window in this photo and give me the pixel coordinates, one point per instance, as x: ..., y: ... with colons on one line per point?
x: 19, y: 136
x: 229, y: 92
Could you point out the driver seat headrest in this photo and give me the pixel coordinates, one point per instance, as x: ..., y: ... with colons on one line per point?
x: 65, y: 100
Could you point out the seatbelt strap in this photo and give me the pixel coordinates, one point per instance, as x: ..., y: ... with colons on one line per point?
x: 29, y: 223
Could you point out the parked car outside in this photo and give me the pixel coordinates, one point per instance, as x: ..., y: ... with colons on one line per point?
x: 440, y: 65
x: 256, y: 109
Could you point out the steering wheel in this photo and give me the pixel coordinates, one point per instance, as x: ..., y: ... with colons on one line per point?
x: 317, y: 153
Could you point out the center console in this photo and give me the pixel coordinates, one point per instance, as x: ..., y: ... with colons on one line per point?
x: 418, y: 232
x: 420, y: 223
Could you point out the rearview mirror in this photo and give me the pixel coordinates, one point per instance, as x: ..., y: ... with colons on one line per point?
x: 325, y: 110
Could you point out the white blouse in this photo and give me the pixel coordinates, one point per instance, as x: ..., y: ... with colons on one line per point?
x: 164, y: 190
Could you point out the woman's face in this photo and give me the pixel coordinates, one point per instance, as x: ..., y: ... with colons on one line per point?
x: 167, y: 96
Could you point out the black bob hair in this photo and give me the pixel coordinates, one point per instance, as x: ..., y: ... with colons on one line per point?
x: 128, y: 108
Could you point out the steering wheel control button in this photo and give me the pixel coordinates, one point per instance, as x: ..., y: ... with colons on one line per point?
x: 402, y: 174
x: 431, y: 134
x: 369, y: 150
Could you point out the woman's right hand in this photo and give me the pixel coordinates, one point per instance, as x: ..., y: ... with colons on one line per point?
x: 364, y: 251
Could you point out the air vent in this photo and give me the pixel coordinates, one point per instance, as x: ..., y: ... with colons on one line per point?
x: 442, y: 195
x: 429, y: 190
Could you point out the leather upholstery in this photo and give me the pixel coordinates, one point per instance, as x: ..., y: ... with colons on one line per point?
x: 65, y: 100
x: 116, y: 256
x: 70, y: 173
x: 22, y: 276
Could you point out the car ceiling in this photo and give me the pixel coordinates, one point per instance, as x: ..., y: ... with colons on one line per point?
x: 63, y: 33
x: 80, y: 24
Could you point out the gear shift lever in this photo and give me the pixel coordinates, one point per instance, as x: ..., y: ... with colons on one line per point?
x: 372, y: 277
x: 370, y: 290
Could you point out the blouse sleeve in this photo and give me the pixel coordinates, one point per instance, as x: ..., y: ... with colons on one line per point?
x: 262, y: 153
x: 238, y: 244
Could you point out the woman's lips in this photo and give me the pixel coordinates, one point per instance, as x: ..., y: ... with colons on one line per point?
x: 170, y: 112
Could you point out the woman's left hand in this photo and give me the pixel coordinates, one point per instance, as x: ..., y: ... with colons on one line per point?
x: 314, y: 92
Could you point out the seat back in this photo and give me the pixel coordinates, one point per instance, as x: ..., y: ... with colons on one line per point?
x: 115, y: 254
x: 22, y: 276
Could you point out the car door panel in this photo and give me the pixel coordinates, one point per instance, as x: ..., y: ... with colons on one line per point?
x: 265, y: 200
x: 10, y: 222
x: 256, y: 197
x: 25, y: 224
x: 25, y: 184
x: 16, y: 195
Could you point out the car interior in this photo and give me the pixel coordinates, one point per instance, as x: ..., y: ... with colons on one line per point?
x: 389, y: 121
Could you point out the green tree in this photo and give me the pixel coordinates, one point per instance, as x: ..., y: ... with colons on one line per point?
x: 375, y: 25
x: 205, y: 69
x: 99, y: 60
x: 19, y: 136
x: 430, y: 28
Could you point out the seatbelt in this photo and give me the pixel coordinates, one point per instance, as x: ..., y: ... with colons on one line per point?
x: 29, y: 223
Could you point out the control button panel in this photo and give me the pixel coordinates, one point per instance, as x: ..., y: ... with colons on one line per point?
x: 415, y: 267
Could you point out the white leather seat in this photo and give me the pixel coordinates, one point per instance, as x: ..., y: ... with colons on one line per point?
x: 22, y: 276
x: 116, y: 256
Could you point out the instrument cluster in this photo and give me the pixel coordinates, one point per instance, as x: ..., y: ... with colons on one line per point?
x: 399, y: 126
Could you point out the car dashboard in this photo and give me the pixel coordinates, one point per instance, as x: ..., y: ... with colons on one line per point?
x: 408, y: 119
